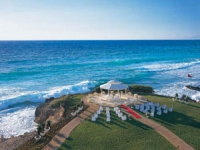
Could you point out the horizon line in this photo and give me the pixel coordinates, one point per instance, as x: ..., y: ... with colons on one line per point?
x: 101, y: 40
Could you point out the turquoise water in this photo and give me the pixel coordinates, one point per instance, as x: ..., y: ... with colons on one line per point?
x: 34, y: 70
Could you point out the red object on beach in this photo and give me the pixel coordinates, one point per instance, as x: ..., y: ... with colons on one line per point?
x: 131, y: 111
x: 189, y: 76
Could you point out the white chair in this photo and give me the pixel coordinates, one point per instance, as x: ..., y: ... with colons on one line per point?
x: 101, y: 108
x: 107, y: 119
x: 107, y: 108
x: 114, y: 108
x: 159, y: 113
x: 96, y: 115
x: 152, y: 114
x: 158, y: 108
x: 124, y: 117
x: 137, y: 107
x: 164, y: 106
x: 170, y: 109
x: 141, y: 109
x: 93, y: 118
x: 145, y: 111
x: 156, y: 104
x: 98, y: 112
x: 165, y: 111
x: 119, y: 114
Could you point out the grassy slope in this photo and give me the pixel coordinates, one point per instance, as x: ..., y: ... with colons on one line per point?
x: 184, y: 121
x: 116, y: 135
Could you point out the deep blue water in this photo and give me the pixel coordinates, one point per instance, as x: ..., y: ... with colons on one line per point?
x: 34, y: 70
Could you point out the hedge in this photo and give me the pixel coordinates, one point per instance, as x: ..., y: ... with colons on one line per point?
x: 140, y: 89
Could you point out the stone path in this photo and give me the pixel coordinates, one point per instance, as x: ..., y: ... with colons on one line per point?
x: 167, y: 134
x: 58, y: 139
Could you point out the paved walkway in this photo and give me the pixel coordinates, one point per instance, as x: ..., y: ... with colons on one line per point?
x: 58, y: 139
x: 167, y: 134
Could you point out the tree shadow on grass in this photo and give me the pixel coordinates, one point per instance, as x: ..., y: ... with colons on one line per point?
x: 175, y: 118
x: 139, y: 124
x: 69, y: 139
x: 65, y: 146
x: 193, y: 106
x: 99, y: 121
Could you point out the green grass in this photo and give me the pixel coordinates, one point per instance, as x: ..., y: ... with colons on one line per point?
x: 116, y: 135
x: 184, y: 121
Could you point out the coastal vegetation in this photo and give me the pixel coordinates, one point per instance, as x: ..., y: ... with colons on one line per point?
x: 141, y: 89
x: 68, y: 103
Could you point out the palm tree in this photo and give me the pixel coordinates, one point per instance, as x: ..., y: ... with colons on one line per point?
x: 75, y: 108
x: 183, y: 97
x: 39, y: 129
x: 43, y: 125
x: 187, y: 98
x: 176, y: 96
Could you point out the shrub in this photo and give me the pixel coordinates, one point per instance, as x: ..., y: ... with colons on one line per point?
x: 141, y: 89
x: 48, y: 123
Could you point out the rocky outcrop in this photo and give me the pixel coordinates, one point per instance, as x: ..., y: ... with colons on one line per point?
x: 193, y: 87
x: 44, y: 112
x: 14, y: 142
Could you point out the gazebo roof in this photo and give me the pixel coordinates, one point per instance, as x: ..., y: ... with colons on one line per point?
x: 114, y: 85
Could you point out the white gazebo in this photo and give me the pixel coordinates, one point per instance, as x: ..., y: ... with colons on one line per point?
x: 114, y: 85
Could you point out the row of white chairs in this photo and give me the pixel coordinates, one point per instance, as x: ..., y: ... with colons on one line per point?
x: 95, y: 116
x: 119, y: 113
x: 152, y: 107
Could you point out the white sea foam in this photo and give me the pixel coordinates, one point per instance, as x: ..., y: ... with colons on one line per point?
x: 166, y: 66
x: 172, y: 89
x: 18, y: 122
x: 40, y: 96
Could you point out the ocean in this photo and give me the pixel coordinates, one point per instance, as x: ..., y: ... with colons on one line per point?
x: 31, y: 71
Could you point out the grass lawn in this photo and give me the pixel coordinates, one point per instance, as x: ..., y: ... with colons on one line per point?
x: 184, y: 121
x: 116, y: 135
